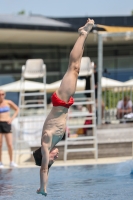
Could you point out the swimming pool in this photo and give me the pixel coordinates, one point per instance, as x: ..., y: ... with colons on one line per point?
x: 97, y: 182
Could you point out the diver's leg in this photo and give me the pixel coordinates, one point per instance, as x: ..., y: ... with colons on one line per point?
x: 69, y: 81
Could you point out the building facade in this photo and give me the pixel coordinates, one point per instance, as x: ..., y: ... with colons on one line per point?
x: 28, y: 37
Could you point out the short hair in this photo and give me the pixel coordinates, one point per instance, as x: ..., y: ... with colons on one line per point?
x: 126, y: 98
x: 2, y: 91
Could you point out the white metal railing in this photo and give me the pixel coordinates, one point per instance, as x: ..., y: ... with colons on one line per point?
x: 101, y: 36
x: 76, y: 121
x: 30, y: 127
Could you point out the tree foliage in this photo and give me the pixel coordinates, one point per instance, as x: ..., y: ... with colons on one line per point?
x: 111, y: 97
x: 22, y: 12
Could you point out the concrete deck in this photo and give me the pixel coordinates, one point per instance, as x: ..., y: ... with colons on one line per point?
x: 25, y: 161
x: 114, y: 145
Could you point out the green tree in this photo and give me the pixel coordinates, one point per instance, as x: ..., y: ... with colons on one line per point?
x: 22, y: 12
x: 111, y: 98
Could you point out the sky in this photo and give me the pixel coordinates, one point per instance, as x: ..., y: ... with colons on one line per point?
x: 68, y: 8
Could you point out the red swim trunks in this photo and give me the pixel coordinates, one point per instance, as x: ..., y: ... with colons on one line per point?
x: 58, y: 102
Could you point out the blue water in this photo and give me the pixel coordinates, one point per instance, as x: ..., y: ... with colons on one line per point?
x: 99, y: 182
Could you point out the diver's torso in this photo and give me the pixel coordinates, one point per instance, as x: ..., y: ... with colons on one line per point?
x: 55, y: 123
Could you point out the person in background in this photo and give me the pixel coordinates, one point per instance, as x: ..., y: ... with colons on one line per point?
x: 5, y: 126
x: 124, y: 107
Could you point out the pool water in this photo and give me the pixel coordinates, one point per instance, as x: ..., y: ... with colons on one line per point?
x: 98, y: 182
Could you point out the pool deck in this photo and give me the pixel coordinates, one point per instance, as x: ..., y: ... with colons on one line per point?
x: 107, y: 135
x: 26, y: 163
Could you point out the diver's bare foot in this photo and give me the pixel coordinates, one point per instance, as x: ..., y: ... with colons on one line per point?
x: 41, y: 191
x: 87, y: 27
x: 53, y: 155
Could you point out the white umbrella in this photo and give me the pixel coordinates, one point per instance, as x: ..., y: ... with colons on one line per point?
x: 32, y: 85
x: 128, y: 83
x: 55, y: 85
x: 108, y: 82
x: 27, y: 85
